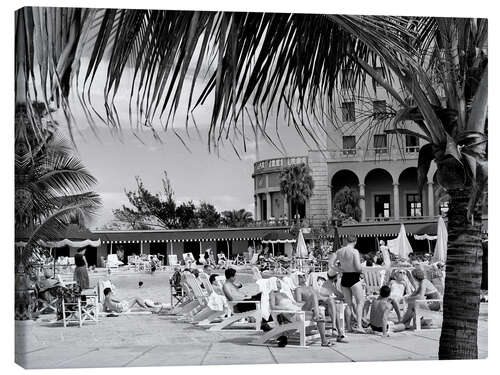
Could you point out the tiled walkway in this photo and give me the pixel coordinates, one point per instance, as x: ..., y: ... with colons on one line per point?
x: 153, y: 340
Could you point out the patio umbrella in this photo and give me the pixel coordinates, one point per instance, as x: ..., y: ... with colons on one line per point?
x: 400, y: 245
x: 301, y: 250
x: 441, y: 243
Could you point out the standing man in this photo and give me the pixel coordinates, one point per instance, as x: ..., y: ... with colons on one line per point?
x: 350, y: 265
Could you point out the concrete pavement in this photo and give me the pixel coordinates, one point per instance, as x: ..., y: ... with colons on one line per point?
x: 154, y: 340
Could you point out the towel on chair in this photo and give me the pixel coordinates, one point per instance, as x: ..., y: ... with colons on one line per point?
x: 288, y: 286
x: 266, y: 286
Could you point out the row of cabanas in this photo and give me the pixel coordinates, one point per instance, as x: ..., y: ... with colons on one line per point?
x: 77, y: 237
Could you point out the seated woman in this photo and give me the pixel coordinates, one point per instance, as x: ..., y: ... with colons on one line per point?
x: 425, y: 290
x: 399, y: 287
x: 111, y: 304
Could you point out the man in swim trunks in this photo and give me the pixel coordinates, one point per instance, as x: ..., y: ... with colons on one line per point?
x: 381, y: 307
x: 350, y: 265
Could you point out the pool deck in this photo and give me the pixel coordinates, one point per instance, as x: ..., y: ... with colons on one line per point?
x: 158, y: 340
x: 154, y: 340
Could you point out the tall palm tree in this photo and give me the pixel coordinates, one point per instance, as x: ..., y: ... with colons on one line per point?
x: 435, y: 68
x: 52, y: 187
x: 297, y: 184
x: 236, y: 218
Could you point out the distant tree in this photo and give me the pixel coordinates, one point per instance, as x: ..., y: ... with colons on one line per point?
x: 131, y: 218
x: 207, y: 215
x: 346, y: 202
x: 236, y: 218
x: 297, y: 183
x: 186, y: 215
x: 148, y: 209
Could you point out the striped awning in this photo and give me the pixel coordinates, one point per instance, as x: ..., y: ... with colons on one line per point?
x: 186, y: 235
x: 379, y: 229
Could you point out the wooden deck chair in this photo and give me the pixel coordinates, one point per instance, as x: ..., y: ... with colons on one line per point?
x: 206, y: 316
x: 373, y: 281
x: 47, y: 306
x: 199, y: 296
x: 234, y: 318
x: 85, y: 309
x: 301, y: 328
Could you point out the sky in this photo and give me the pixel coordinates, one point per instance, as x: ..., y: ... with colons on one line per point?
x: 114, y: 159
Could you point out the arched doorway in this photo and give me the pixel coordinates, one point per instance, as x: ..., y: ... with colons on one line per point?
x: 346, y: 179
x: 379, y: 194
x: 411, y: 200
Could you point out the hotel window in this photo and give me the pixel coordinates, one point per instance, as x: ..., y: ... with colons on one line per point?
x: 348, y: 112
x: 413, y: 205
x: 379, y: 109
x: 412, y: 144
x: 382, y: 205
x: 380, y: 143
x: 443, y: 208
x: 349, y: 145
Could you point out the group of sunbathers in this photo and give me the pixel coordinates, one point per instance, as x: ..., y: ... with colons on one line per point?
x: 343, y: 284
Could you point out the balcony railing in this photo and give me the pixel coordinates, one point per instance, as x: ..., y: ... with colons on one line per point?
x: 401, y: 218
x: 279, y: 163
x: 375, y: 153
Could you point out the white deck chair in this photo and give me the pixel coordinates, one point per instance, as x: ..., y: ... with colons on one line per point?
x: 207, y: 316
x: 232, y: 322
x: 299, y: 325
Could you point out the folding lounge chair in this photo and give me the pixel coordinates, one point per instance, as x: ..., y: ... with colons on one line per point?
x: 207, y: 316
x: 203, y: 315
x: 232, y: 322
x: 303, y: 328
x: 47, y: 306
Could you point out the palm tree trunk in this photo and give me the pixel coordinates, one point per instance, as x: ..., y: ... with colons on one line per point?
x: 463, y: 280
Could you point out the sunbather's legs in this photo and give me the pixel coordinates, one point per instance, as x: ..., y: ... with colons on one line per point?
x: 355, y: 299
x: 410, y: 311
x: 332, y: 311
x: 357, y: 292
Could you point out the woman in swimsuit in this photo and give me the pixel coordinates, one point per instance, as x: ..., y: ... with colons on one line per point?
x: 399, y: 287
x: 425, y: 290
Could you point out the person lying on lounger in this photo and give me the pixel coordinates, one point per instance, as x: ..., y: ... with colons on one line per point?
x: 114, y: 305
